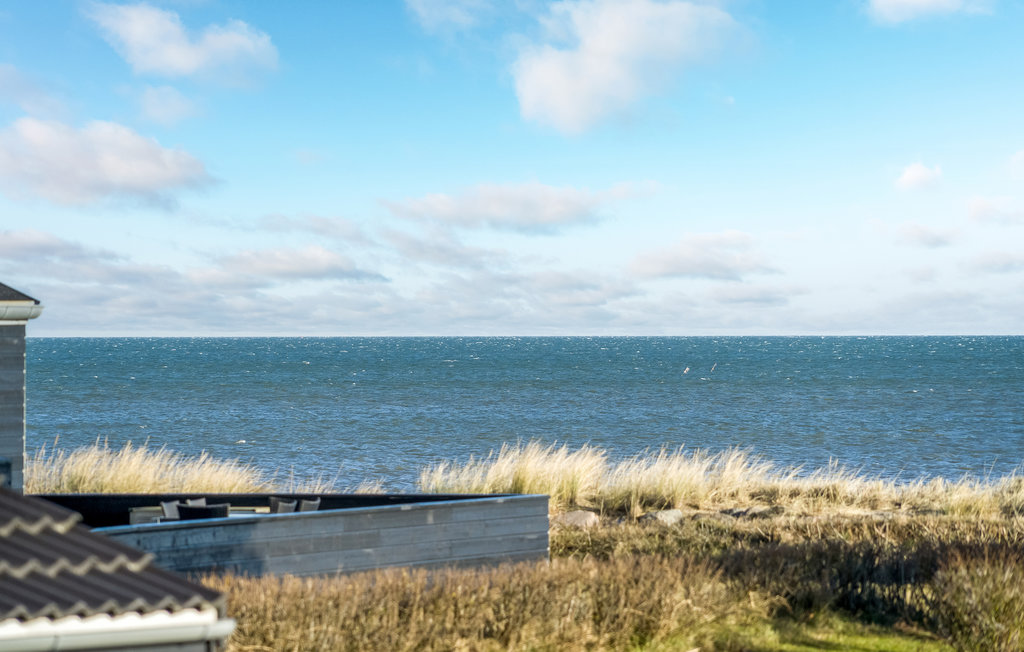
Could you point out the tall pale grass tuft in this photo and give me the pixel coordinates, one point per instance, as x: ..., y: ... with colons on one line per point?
x: 568, y: 477
x: 136, y: 469
x: 735, y: 473
x: 1010, y: 495
x: 662, y: 481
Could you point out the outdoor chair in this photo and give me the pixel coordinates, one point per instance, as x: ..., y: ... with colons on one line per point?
x: 281, y: 505
x: 195, y: 512
x: 170, y: 509
x: 310, y: 505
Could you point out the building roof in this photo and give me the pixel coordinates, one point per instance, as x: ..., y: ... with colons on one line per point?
x: 53, y: 567
x: 7, y: 293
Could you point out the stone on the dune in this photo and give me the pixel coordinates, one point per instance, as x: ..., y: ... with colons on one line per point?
x: 663, y: 516
x: 579, y: 519
x: 765, y: 512
x: 757, y: 511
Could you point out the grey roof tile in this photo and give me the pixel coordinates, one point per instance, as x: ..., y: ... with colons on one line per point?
x: 33, y: 515
x: 77, y: 551
x: 52, y: 567
x: 7, y: 293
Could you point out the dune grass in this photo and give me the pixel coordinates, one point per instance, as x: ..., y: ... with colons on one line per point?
x: 568, y: 477
x: 98, y: 468
x: 696, y: 480
x: 581, y: 478
x: 136, y: 469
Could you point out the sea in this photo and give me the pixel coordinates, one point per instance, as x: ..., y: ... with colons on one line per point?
x: 355, y: 409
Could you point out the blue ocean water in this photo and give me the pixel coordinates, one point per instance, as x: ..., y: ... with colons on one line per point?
x: 383, y: 408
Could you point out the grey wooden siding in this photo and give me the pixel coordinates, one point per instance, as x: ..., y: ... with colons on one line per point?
x: 12, y: 401
x: 476, y: 531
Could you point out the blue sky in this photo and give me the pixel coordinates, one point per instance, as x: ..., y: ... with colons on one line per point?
x: 476, y: 167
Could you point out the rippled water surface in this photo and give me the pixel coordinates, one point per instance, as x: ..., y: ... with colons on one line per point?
x: 363, y: 408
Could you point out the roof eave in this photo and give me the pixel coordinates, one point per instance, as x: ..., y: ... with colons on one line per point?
x: 19, y: 312
x: 131, y: 630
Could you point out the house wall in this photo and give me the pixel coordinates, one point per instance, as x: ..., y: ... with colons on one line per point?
x: 468, y: 532
x: 12, y: 401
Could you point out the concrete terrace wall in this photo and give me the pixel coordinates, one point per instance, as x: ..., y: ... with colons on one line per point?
x: 12, y: 401
x: 467, y: 532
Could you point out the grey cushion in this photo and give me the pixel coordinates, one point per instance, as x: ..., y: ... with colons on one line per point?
x: 193, y: 512
x: 281, y: 505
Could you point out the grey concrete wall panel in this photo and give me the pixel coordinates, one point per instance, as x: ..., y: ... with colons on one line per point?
x: 12, y: 400
x: 473, y: 532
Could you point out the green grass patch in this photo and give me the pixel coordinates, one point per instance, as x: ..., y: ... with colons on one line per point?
x: 826, y: 632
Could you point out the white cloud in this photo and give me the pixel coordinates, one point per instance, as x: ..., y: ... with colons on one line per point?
x: 530, y: 207
x: 165, y: 105
x: 487, y: 301
x: 995, y: 210
x: 898, y: 11
x: 563, y: 290
x: 918, y: 175
x: 94, y: 291
x: 29, y: 245
x: 155, y: 41
x: 442, y: 249
x: 295, y: 291
x: 718, y: 256
x: 999, y: 262
x: 925, y: 236
x: 338, y: 229
x: 57, y: 162
x: 17, y: 89
x: 754, y: 295
x: 613, y: 52
x: 312, y: 262
x: 940, y: 310
x: 439, y: 15
x: 54, y: 260
x: 925, y: 274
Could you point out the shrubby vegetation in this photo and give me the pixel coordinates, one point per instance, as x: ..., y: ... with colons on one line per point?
x: 909, y: 582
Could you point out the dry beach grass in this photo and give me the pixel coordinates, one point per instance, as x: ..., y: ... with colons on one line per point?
x: 135, y: 469
x: 839, y: 561
x: 585, y: 478
x: 581, y: 478
x: 140, y: 469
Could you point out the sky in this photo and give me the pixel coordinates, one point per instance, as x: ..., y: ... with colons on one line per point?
x: 514, y: 167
